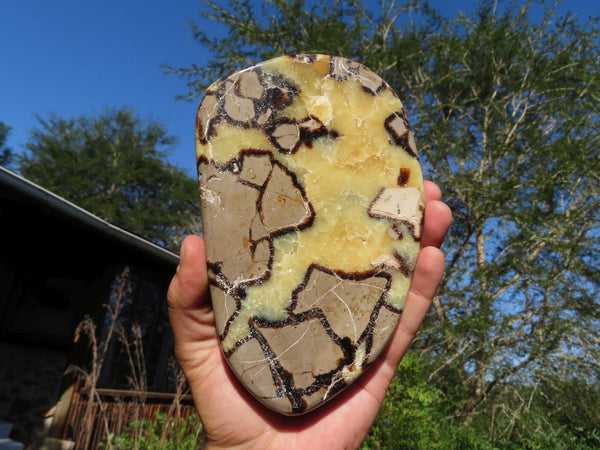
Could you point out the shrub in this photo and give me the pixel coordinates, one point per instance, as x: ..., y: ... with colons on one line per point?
x: 162, y: 433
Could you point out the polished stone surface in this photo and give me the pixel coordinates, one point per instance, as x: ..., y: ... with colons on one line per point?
x: 312, y: 205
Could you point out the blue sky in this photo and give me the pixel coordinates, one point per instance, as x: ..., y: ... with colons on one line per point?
x: 73, y: 57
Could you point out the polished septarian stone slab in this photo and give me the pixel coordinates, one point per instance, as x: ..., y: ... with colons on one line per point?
x: 312, y: 206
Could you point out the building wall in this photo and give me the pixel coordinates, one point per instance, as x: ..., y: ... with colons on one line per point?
x: 30, y: 379
x: 57, y: 266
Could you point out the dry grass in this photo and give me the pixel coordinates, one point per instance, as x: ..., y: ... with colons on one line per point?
x: 98, y: 412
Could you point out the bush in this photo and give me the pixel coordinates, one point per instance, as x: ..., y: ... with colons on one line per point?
x: 418, y: 415
x: 162, y: 433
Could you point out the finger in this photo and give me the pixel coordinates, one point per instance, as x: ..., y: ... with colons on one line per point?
x: 426, y: 279
x: 190, y: 311
x: 189, y: 287
x: 437, y: 221
x: 432, y: 191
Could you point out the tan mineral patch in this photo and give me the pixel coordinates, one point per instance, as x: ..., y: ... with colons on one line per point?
x: 304, y: 349
x: 346, y: 303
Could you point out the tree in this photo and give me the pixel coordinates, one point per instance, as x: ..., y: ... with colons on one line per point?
x: 505, y: 106
x: 507, y: 116
x: 255, y: 35
x: 6, y: 154
x: 114, y: 165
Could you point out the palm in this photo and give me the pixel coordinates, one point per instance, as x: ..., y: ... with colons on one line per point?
x: 231, y: 417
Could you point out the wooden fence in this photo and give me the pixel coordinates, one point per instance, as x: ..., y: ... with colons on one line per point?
x: 88, y: 422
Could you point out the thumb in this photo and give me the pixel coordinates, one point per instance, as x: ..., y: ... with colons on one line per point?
x: 188, y: 298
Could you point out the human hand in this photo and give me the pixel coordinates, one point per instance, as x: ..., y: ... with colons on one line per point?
x: 232, y: 418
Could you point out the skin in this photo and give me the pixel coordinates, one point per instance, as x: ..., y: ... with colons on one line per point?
x: 232, y: 418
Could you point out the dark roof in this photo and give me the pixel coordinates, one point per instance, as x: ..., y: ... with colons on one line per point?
x: 18, y: 194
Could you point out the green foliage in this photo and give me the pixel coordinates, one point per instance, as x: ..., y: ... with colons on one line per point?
x: 115, y: 166
x: 160, y: 434
x: 549, y: 420
x: 416, y: 414
x: 506, y: 110
x: 6, y: 155
x: 257, y: 31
